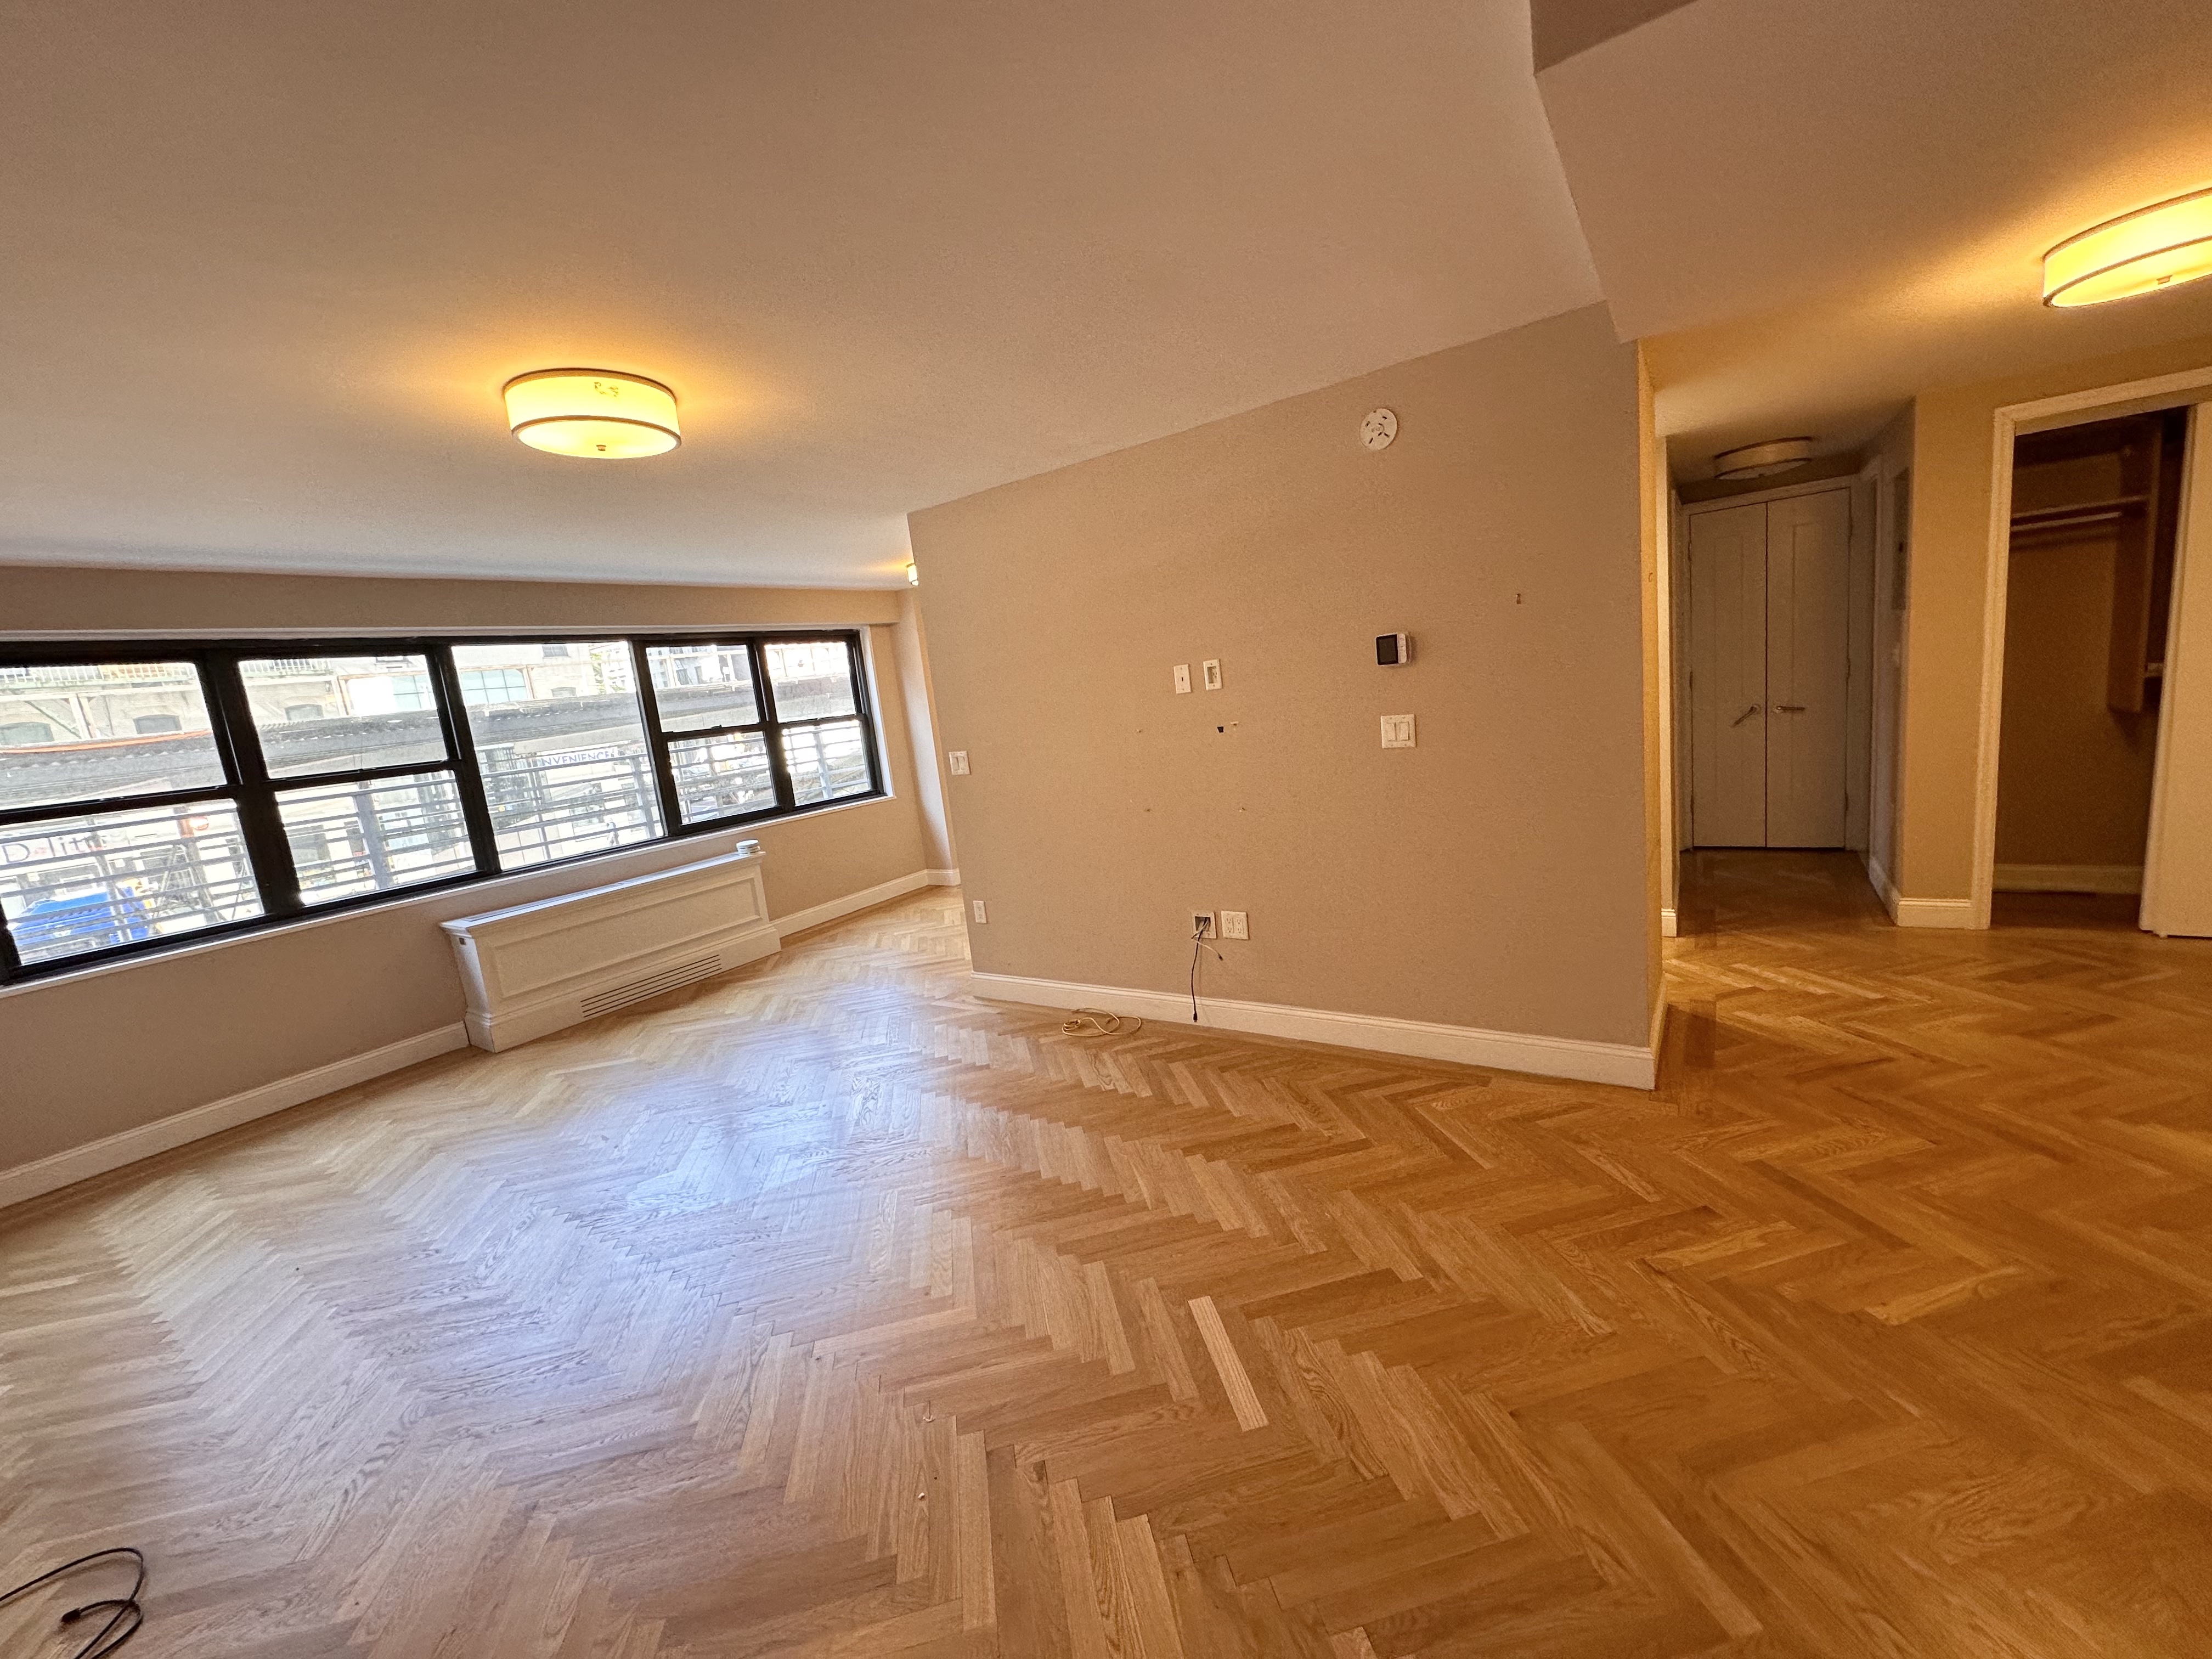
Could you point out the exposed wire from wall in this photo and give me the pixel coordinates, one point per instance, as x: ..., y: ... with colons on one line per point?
x: 1197, y: 944
x: 1098, y: 1022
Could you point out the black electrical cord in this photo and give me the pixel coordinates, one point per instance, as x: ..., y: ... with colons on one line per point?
x: 1197, y: 944
x: 115, y: 1632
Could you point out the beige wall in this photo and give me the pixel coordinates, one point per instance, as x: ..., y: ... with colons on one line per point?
x: 91, y: 600
x: 1952, y: 481
x: 1496, y: 876
x: 95, y: 1053
x: 919, y: 701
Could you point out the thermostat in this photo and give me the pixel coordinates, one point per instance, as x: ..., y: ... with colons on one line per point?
x: 1391, y: 650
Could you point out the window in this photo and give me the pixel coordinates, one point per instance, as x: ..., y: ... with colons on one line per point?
x: 491, y: 685
x: 373, y: 836
x: 563, y: 776
x: 368, y: 802
x: 94, y: 749
x: 116, y: 824
x: 150, y: 794
x: 828, y: 755
x: 735, y: 753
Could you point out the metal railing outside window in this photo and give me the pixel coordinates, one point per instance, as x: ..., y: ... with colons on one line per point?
x: 154, y: 794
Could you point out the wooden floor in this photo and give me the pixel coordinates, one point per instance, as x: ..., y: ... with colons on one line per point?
x: 825, y: 1310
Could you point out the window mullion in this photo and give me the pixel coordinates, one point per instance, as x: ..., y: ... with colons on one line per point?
x: 267, y: 848
x: 786, y: 798
x: 461, y: 746
x: 656, y: 740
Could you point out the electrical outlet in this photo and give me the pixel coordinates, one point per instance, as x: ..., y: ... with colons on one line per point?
x: 1182, y: 677
x: 956, y: 762
x: 1202, y: 924
x: 1212, y: 668
x: 983, y: 916
x: 1397, y: 731
x: 1234, y: 925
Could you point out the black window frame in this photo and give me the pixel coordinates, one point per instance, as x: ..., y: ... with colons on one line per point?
x: 254, y: 795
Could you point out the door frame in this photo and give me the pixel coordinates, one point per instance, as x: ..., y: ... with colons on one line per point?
x: 2184, y: 387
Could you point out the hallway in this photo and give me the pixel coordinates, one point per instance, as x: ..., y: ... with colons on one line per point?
x: 824, y: 1309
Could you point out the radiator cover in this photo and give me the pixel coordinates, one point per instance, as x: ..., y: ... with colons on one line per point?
x: 532, y: 969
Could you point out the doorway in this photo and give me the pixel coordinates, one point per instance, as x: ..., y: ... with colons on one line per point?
x: 2095, y: 512
x: 1770, y: 672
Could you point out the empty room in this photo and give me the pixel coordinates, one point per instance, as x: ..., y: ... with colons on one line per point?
x: 1014, y: 829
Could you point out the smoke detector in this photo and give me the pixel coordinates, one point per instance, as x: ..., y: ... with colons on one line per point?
x: 1758, y: 460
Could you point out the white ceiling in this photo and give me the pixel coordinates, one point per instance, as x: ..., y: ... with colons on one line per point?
x: 1827, y: 206
x: 271, y: 262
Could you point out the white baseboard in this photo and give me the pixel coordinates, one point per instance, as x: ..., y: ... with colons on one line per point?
x: 2069, y: 879
x: 77, y: 1164
x: 814, y: 916
x: 1622, y: 1063
x: 1933, y: 913
x: 1669, y: 924
x: 943, y: 878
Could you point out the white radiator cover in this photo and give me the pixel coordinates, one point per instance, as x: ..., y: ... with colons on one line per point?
x: 535, y: 968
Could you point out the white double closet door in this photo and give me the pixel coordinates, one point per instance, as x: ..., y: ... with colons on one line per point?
x: 1770, y: 656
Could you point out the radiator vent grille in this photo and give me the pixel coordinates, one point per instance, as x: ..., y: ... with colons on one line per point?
x: 652, y: 984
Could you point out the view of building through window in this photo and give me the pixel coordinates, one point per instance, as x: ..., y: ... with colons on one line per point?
x: 316, y: 714
x: 561, y: 744
x: 73, y: 733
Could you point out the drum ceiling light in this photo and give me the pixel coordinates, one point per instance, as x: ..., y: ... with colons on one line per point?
x: 2139, y: 253
x: 597, y: 412
x: 1763, y: 460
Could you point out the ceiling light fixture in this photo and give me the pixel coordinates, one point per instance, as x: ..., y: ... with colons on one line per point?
x: 2159, y: 246
x: 1758, y: 460
x: 598, y: 412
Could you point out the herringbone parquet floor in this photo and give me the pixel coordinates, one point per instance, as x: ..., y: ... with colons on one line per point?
x: 823, y: 1310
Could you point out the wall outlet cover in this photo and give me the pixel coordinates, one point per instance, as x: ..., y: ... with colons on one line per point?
x: 1202, y: 924
x: 1212, y: 668
x: 956, y: 762
x: 1234, y: 925
x: 983, y: 916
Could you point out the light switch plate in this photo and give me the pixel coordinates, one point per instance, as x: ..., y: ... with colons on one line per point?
x: 1234, y: 925
x: 1397, y: 731
x: 956, y: 762
x: 1212, y: 668
x: 1182, y: 677
x: 983, y: 916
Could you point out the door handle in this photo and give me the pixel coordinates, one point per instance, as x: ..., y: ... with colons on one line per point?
x: 1744, y: 716
x: 1789, y: 708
